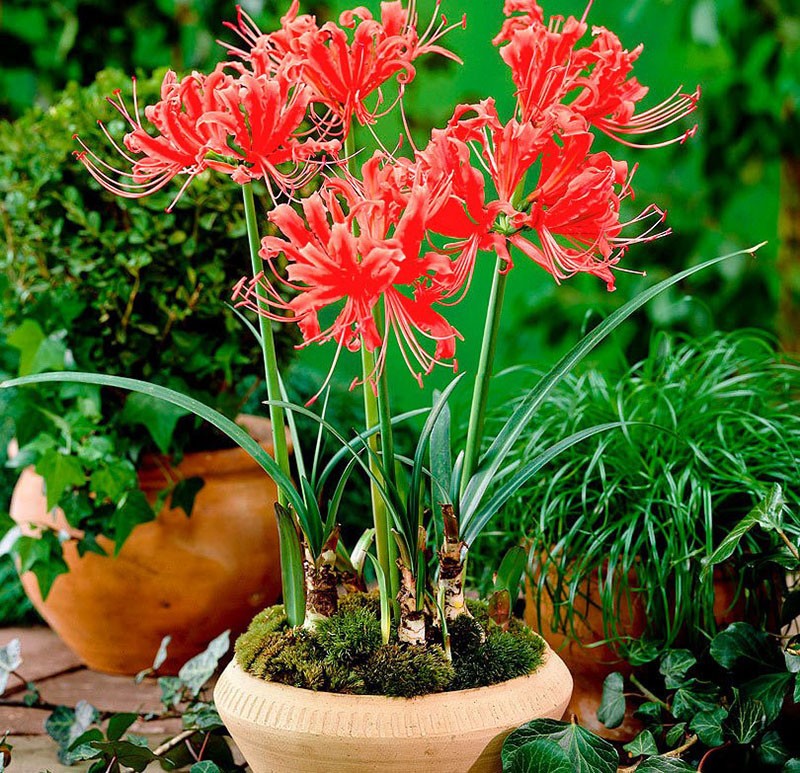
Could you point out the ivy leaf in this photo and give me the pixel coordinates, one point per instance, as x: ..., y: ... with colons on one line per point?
x: 742, y: 642
x: 769, y: 690
x: 65, y: 726
x: 157, y: 416
x: 538, y: 756
x: 650, y: 712
x: 197, y: 671
x: 772, y: 750
x: 792, y: 766
x: 61, y: 472
x: 664, y: 765
x: 184, y: 493
x: 132, y: 510
x: 644, y: 745
x: 26, y: 339
x: 161, y: 655
x: 129, y: 755
x: 676, y: 734
x: 202, y: 716
x: 692, y: 699
x: 707, y: 726
x: 612, y: 704
x: 118, y: 724
x: 205, y: 766
x: 43, y: 556
x: 674, y: 666
x: 171, y: 690
x: 113, y: 480
x: 587, y: 752
x: 10, y: 660
x: 745, y: 720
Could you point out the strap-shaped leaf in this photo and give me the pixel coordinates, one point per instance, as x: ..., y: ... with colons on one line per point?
x: 441, y: 461
x: 484, y: 514
x: 292, y: 579
x: 383, y: 590
x: 222, y: 423
x: 519, y: 419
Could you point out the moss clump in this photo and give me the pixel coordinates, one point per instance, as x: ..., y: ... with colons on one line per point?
x: 370, y: 601
x: 404, y: 671
x: 345, y: 653
x: 350, y: 636
x: 502, y: 656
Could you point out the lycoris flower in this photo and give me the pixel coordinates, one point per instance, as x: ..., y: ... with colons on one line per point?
x: 245, y: 126
x: 359, y: 246
x: 345, y: 65
x: 553, y: 75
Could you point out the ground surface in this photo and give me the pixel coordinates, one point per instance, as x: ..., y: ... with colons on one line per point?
x: 62, y: 679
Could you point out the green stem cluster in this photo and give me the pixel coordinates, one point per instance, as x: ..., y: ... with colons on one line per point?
x: 276, y: 413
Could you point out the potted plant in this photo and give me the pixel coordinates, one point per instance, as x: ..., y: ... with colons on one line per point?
x: 380, y: 250
x: 72, y: 255
x: 625, y: 525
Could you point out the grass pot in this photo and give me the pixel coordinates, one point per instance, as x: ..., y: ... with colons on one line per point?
x: 591, y: 662
x: 283, y: 729
x: 187, y: 577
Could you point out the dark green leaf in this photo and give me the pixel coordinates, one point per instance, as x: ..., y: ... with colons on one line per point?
x: 587, y: 752
x: 676, y: 735
x: 292, y: 577
x: 772, y: 750
x: 119, y: 724
x: 441, y: 458
x: 538, y: 756
x: 650, y: 712
x: 707, y: 726
x: 790, y: 608
x: 132, y: 510
x: 43, y: 556
x: 61, y: 473
x: 674, y: 666
x: 792, y: 766
x: 612, y: 705
x: 741, y: 643
x: 156, y: 415
x: 692, y: 699
x: 184, y: 493
x: 745, y: 720
x: 644, y: 745
x: 27, y: 339
x: 509, y: 574
x: 129, y: 755
x: 770, y: 691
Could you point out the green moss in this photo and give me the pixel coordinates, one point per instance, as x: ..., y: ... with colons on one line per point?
x: 370, y: 601
x: 350, y: 636
x: 345, y: 653
x: 405, y: 671
x: 504, y: 655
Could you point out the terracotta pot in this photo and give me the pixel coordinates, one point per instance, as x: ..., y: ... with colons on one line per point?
x: 590, y: 663
x: 190, y: 578
x: 282, y: 729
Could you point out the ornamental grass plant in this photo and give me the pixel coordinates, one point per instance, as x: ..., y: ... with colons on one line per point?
x: 370, y: 263
x: 709, y: 426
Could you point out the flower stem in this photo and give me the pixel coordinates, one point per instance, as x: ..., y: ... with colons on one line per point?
x: 384, y: 542
x: 276, y: 414
x: 480, y: 392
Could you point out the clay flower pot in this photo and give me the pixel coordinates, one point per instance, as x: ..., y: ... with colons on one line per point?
x: 190, y: 578
x: 283, y: 729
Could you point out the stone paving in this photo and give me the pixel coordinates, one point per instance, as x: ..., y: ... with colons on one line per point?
x: 62, y: 679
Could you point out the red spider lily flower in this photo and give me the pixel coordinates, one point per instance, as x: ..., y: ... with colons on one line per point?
x: 553, y: 75
x: 569, y: 223
x: 238, y: 124
x: 352, y: 253
x: 346, y: 65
